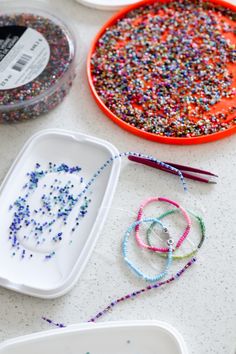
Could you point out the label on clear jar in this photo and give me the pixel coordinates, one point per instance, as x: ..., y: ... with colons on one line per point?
x: 24, y: 54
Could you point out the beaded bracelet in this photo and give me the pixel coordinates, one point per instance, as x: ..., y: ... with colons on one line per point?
x: 188, y: 255
x: 140, y: 214
x: 136, y: 269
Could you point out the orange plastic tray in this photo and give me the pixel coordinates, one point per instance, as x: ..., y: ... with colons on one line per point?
x: 151, y: 136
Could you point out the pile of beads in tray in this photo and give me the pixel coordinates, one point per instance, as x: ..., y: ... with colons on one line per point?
x: 168, y: 68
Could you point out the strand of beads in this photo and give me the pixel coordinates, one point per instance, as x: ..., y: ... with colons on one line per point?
x: 130, y: 296
x: 132, y: 153
x: 136, y: 293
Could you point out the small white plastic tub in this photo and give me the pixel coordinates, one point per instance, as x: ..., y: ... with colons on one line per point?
x: 33, y: 275
x: 107, y: 5
x: 136, y: 337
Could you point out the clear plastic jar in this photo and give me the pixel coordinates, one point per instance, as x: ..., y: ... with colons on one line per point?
x: 37, y: 60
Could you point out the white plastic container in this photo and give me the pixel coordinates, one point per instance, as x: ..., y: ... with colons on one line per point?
x: 107, y: 5
x: 55, y: 277
x: 144, y: 337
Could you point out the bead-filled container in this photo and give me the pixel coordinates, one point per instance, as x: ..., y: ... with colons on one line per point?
x: 166, y: 70
x: 37, y: 60
x: 50, y: 221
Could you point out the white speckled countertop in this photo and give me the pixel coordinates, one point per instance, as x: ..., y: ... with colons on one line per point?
x: 202, y: 305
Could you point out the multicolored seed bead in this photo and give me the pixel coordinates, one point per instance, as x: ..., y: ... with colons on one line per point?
x: 169, y: 68
x: 48, y: 89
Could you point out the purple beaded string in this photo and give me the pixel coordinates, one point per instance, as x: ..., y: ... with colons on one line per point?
x: 129, y: 296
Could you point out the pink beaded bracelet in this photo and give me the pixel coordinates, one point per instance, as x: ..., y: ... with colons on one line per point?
x: 140, y: 215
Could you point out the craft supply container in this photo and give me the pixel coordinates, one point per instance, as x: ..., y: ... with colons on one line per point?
x: 34, y: 80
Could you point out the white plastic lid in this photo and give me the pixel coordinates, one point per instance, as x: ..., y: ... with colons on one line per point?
x: 131, y: 337
x: 107, y: 4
